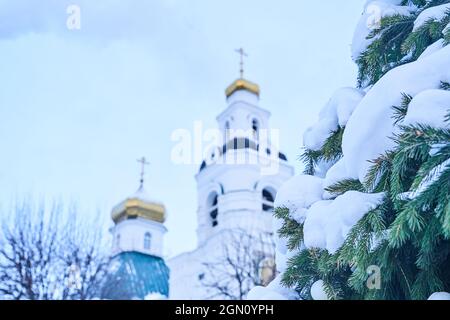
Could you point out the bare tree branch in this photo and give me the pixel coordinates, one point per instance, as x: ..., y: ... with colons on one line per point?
x: 48, y: 254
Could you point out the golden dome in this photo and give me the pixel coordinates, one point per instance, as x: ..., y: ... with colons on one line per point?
x: 242, y: 84
x: 139, y: 205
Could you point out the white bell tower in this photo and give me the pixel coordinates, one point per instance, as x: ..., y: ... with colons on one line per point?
x: 237, y: 186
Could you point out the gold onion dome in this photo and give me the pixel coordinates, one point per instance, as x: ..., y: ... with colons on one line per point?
x: 139, y: 205
x: 242, y: 84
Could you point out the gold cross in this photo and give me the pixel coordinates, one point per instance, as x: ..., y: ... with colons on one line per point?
x: 243, y: 54
x: 143, y: 163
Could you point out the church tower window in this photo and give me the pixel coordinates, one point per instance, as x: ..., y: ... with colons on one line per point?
x: 227, y: 131
x: 268, y: 200
x: 147, y: 241
x: 255, y: 128
x: 213, y: 209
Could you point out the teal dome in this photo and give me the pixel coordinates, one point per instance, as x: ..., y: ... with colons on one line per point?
x: 135, y: 275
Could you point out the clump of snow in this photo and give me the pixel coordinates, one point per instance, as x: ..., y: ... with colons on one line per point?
x: 321, y: 168
x: 432, y: 48
x: 274, y: 291
x: 318, y: 218
x: 374, y: 11
x: 155, y: 296
x: 439, y: 296
x: 429, y: 108
x: 328, y: 223
x: 436, y: 13
x: 336, y: 174
x: 276, y: 286
x: 318, y: 291
x: 315, y: 137
x: 262, y: 293
x: 334, y: 114
x: 368, y: 132
x: 281, y: 259
x: 298, y: 194
x: 345, y: 101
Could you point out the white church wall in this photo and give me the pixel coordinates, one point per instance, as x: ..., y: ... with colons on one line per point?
x: 242, y: 110
x: 129, y: 235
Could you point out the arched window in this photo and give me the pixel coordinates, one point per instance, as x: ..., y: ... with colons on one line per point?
x: 227, y: 131
x: 213, y: 209
x: 255, y: 128
x: 147, y: 241
x: 268, y: 200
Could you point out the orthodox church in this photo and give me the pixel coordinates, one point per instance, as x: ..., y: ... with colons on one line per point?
x: 236, y: 191
x: 236, y: 186
x: 138, y: 269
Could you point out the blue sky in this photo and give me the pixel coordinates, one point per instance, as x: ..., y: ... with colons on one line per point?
x: 78, y: 107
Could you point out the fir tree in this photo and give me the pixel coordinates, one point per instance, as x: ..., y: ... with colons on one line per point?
x: 408, y: 235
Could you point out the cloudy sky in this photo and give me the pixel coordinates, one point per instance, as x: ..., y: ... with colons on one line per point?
x: 77, y: 107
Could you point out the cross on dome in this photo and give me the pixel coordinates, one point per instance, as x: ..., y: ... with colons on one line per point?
x: 241, y: 83
x: 143, y: 161
x: 242, y: 54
